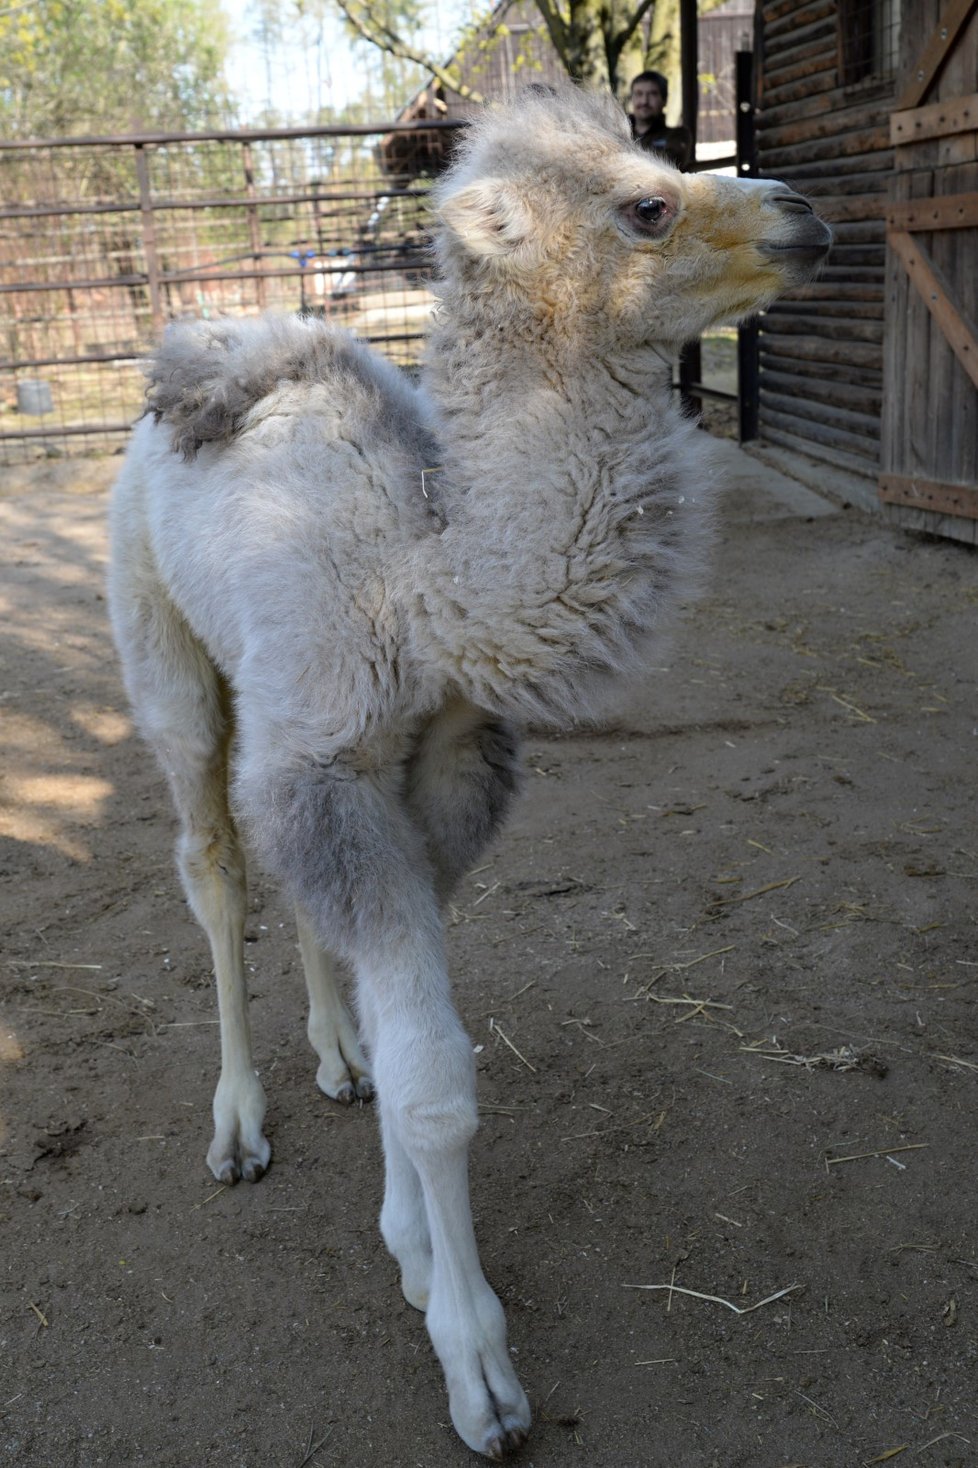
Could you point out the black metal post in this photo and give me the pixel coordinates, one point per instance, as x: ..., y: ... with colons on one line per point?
x: 748, y: 351
x: 689, y: 62
x: 690, y: 358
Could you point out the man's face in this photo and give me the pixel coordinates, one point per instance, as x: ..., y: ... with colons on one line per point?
x: 646, y: 100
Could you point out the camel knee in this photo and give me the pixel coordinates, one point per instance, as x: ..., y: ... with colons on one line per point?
x: 428, y: 1093
x: 212, y: 868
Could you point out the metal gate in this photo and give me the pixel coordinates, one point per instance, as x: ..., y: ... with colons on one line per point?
x: 102, y: 240
x: 929, y: 466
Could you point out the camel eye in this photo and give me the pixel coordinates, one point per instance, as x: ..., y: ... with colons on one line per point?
x: 650, y: 211
x: 650, y: 216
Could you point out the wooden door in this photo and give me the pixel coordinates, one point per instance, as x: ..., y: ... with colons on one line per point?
x: 929, y: 462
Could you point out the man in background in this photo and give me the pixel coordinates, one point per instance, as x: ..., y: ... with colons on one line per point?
x: 647, y: 99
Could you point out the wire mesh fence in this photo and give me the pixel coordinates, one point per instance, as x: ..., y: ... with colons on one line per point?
x: 104, y: 240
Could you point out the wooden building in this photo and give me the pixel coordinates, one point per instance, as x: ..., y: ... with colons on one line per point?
x: 870, y: 107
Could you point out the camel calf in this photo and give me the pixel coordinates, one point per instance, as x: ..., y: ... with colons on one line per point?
x: 332, y: 651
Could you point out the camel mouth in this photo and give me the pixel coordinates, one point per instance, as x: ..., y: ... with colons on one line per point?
x: 811, y: 240
x: 799, y: 251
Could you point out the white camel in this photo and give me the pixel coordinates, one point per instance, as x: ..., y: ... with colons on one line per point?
x: 338, y: 596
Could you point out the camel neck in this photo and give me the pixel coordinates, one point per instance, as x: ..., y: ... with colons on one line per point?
x: 574, y: 501
x: 491, y: 390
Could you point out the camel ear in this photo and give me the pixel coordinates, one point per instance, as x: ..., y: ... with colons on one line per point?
x: 488, y: 218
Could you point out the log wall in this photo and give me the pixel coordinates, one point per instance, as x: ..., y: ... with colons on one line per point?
x: 821, y: 348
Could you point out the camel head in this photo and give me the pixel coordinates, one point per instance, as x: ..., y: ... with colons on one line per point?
x: 552, y: 214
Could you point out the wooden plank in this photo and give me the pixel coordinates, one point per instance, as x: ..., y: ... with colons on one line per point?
x: 817, y: 35
x: 820, y: 309
x: 942, y: 369
x: 948, y: 211
x: 894, y: 354
x: 865, y: 173
x: 802, y: 323
x: 829, y: 349
x: 797, y: 16
x: 937, y: 120
x: 830, y: 148
x: 929, y: 494
x: 949, y: 527
x: 779, y: 10
x: 935, y: 53
x: 916, y: 325
x: 783, y: 134
x: 819, y: 431
x: 833, y: 419
x: 837, y: 392
x: 853, y: 297
x: 837, y: 209
x: 852, y: 249
x: 816, y: 44
x: 838, y: 101
x: 939, y: 300
x: 776, y: 433
x: 821, y: 371
x: 845, y: 269
x: 862, y: 241
x: 960, y: 252
x: 818, y: 80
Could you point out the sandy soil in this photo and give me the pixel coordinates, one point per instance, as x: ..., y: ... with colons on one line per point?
x: 732, y: 944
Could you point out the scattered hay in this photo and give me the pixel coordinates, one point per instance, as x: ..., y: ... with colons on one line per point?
x: 844, y: 1058
x: 494, y: 1029
x: 675, y: 1289
x: 749, y: 896
x: 876, y: 1152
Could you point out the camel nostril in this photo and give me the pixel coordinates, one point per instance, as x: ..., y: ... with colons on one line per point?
x: 792, y: 203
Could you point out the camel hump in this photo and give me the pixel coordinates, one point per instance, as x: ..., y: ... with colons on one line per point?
x: 208, y: 375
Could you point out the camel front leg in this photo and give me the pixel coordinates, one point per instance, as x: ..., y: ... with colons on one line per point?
x: 426, y: 1081
x: 356, y: 862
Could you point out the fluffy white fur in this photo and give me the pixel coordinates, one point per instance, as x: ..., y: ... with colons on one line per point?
x: 337, y: 597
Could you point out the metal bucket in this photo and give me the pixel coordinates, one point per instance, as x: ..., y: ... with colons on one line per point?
x: 34, y: 396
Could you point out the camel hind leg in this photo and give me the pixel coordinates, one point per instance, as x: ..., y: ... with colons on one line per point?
x: 212, y: 867
x: 343, y: 1073
x: 183, y: 709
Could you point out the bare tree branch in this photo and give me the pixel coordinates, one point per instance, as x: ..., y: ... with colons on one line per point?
x: 557, y: 27
x: 363, y: 20
x: 590, y: 37
x: 621, y: 38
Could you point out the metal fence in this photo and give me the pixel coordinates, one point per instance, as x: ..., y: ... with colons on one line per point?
x: 102, y: 240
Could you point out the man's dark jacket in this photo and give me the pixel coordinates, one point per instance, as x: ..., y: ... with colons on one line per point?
x: 674, y: 143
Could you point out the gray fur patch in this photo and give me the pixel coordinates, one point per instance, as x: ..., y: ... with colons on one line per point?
x: 346, y: 851
x: 459, y: 793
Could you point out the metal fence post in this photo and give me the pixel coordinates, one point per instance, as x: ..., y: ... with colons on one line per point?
x: 148, y: 221
x: 254, y: 226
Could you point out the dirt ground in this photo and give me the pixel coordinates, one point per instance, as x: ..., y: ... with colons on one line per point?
x: 721, y: 972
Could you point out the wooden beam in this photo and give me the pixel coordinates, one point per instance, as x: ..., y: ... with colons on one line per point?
x: 937, y: 297
x: 935, y: 53
x: 937, y: 120
x: 929, y: 494
x: 946, y: 211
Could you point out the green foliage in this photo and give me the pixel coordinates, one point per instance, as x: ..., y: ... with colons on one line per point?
x: 69, y: 67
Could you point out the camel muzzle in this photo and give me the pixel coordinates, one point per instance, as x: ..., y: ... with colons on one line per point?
x: 807, y: 239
